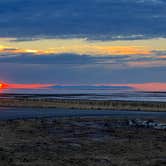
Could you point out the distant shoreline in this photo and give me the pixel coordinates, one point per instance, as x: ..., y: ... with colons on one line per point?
x: 84, y: 104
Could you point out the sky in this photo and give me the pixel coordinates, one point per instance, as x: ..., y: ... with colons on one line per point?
x: 45, y: 43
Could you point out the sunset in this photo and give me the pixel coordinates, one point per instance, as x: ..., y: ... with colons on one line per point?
x: 1, y: 86
x: 82, y: 82
x: 146, y: 87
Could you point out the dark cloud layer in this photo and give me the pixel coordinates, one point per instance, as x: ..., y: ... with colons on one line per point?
x: 66, y: 74
x: 96, y: 19
x: 73, y: 59
x: 72, y: 68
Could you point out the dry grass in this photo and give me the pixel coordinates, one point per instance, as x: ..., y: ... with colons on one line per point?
x: 85, y: 104
x: 79, y: 142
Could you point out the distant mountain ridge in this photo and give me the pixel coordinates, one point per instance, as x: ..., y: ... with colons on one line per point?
x: 92, y: 87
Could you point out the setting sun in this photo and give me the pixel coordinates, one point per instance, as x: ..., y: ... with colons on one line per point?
x: 3, y: 85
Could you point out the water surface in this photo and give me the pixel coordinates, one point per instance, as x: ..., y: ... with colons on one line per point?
x: 25, y: 113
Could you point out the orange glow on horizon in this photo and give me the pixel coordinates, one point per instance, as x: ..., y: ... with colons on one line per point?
x: 152, y: 86
x: 24, y: 86
x: 149, y: 86
x: 29, y: 86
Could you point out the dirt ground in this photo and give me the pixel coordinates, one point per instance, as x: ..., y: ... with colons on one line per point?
x: 80, y: 142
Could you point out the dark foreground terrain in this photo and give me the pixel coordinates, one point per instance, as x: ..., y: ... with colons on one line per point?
x: 80, y: 142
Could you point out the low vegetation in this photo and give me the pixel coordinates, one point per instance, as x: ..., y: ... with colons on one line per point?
x: 84, y: 104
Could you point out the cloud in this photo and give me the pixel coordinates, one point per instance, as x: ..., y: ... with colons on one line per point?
x: 50, y: 59
x: 147, y: 64
x: 82, y: 49
x: 96, y: 19
x: 150, y: 1
x: 79, y: 74
x: 155, y: 59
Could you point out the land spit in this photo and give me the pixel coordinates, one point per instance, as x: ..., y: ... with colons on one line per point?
x: 83, y: 104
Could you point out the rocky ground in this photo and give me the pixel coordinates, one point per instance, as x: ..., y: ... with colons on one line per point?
x: 80, y: 142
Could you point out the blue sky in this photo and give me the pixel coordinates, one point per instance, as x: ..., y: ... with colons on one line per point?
x: 83, y: 41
